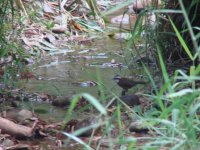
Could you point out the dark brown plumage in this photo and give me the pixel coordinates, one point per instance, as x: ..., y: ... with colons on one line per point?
x: 126, y: 83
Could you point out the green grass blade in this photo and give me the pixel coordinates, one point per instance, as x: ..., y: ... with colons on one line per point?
x: 78, y: 140
x: 95, y: 103
x: 158, y: 98
x: 189, y: 26
x: 180, y: 38
x: 117, y: 7
x: 70, y: 110
x: 119, y: 121
x: 164, y: 70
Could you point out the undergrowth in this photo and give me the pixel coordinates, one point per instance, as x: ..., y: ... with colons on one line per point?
x: 11, y: 52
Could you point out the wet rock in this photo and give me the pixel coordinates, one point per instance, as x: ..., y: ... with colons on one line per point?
x: 107, y: 65
x: 61, y: 101
x: 88, y: 84
x: 130, y: 100
x: 139, y: 5
x: 50, y: 38
x: 85, y: 123
x: 59, y: 29
x: 139, y: 127
x: 17, y: 115
x: 85, y: 84
x: 123, y: 19
x: 6, y: 143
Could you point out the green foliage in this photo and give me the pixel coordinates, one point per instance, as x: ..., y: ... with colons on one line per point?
x: 9, y: 46
x: 183, y: 43
x: 88, y: 97
x: 49, y: 24
x: 138, y: 27
x: 32, y: 14
x: 189, y: 24
x: 4, y: 5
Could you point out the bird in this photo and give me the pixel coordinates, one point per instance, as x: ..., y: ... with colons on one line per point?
x: 126, y: 83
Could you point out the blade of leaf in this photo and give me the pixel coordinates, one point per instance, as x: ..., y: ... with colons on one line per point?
x: 95, y: 103
x: 180, y: 38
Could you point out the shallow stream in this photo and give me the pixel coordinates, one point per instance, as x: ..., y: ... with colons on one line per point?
x: 75, y: 72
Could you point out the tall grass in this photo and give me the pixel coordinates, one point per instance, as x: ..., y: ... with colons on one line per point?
x: 182, y: 130
x: 4, y: 8
x: 9, y: 45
